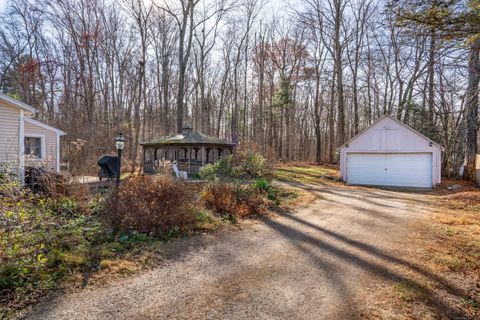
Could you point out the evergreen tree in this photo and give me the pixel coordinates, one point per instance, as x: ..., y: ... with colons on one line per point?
x: 451, y: 19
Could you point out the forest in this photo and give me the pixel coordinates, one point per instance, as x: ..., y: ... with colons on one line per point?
x: 295, y: 78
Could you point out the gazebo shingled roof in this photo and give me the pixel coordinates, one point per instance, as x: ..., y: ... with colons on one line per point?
x: 187, y: 137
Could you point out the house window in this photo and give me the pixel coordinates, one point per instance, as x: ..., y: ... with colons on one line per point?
x: 33, y: 147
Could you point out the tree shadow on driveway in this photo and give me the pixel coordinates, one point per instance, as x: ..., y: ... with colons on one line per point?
x: 361, y: 255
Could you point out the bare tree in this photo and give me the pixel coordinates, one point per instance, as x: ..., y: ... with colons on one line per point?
x: 184, y: 19
x: 298, y: 83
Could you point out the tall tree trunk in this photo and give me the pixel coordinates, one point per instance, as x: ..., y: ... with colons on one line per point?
x: 317, y: 118
x: 431, y: 82
x: 186, y: 28
x: 331, y: 124
x: 180, y: 93
x: 471, y: 110
x: 339, y: 73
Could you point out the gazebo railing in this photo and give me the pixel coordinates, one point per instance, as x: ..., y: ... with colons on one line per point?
x: 192, y: 168
x: 149, y: 167
x: 156, y: 159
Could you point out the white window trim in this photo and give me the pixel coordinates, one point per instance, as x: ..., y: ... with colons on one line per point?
x: 43, y: 145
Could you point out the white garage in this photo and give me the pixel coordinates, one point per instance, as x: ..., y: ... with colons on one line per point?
x: 389, y: 153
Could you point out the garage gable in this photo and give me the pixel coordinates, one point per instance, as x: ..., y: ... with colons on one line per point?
x: 389, y: 134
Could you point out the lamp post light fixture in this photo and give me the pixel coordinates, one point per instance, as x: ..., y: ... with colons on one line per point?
x: 119, y: 144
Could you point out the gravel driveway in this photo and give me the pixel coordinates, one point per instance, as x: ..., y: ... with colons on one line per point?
x: 316, y: 262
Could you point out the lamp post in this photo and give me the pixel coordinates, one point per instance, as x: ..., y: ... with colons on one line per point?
x: 119, y: 144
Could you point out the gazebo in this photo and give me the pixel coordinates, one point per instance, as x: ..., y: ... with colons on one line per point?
x: 190, y: 149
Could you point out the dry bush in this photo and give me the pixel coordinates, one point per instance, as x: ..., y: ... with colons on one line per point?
x: 235, y: 199
x: 151, y: 205
x: 248, y: 146
x: 56, y: 185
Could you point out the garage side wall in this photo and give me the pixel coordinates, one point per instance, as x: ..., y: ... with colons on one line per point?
x: 387, y: 135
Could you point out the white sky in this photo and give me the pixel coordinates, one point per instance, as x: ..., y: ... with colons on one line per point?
x: 271, y: 6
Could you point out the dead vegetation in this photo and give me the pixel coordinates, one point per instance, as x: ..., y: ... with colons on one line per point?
x: 151, y: 205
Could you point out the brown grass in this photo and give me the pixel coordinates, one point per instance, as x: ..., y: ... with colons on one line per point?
x: 120, y: 266
x: 446, y: 244
x: 303, y: 199
x: 307, y: 174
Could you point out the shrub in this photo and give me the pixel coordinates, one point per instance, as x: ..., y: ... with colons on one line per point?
x: 223, y: 168
x: 271, y: 192
x: 248, y: 146
x: 9, y: 183
x: 275, y: 194
x: 234, y: 199
x: 55, y: 185
x: 252, y: 165
x: 244, y: 166
x: 150, y: 205
x: 8, y: 172
x: 262, y: 184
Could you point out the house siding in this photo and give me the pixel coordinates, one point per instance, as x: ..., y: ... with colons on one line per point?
x: 15, y: 116
x: 395, y: 139
x: 50, y: 160
x: 9, y: 132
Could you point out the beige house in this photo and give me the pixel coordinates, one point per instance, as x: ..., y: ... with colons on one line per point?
x: 23, y: 139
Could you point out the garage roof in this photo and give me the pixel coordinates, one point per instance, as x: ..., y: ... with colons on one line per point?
x: 396, y: 120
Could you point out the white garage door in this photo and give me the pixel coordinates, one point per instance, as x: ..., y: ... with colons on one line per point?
x: 390, y: 169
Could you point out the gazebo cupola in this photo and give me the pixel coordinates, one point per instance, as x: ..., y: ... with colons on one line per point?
x: 187, y: 129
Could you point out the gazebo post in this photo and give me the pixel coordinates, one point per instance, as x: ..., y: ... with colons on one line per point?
x: 189, y: 158
x: 203, y: 156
